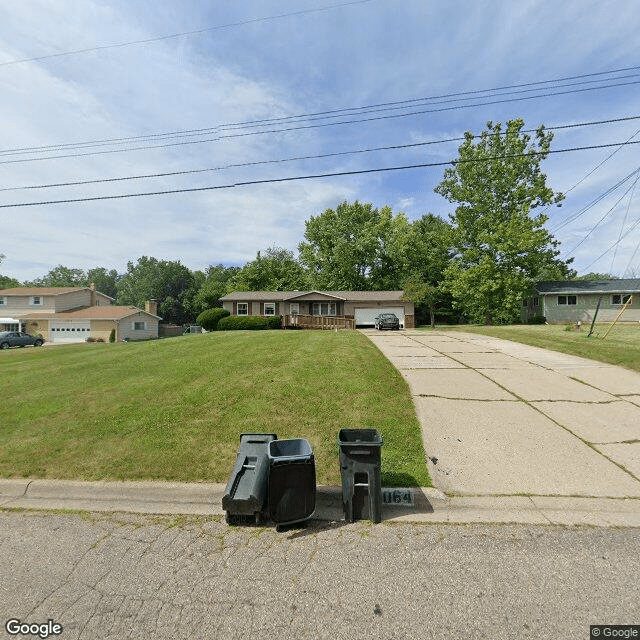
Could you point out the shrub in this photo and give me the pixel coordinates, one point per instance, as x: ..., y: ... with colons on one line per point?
x: 112, y: 335
x: 274, y: 322
x: 209, y: 318
x: 236, y: 323
x: 536, y: 320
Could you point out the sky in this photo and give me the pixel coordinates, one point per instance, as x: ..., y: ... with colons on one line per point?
x: 254, y: 91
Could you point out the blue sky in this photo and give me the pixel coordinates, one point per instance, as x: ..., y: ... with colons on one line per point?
x: 321, y: 58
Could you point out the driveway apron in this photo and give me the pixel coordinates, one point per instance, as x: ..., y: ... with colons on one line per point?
x: 502, y: 418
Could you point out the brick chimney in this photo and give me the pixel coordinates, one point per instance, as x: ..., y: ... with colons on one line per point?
x: 92, y: 302
x: 151, y: 306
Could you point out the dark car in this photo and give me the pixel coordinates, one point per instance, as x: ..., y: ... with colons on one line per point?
x: 18, y: 339
x: 387, y: 321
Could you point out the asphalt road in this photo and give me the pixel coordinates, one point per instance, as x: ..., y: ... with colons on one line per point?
x: 136, y: 576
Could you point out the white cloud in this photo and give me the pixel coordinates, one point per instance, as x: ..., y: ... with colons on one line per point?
x: 350, y: 56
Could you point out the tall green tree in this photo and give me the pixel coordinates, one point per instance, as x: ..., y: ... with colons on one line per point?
x: 168, y: 282
x: 214, y: 285
x: 62, y: 276
x: 501, y: 247
x: 355, y: 247
x: 274, y: 270
x: 105, y: 280
x: 7, y: 282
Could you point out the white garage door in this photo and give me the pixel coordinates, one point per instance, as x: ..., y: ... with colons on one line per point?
x: 367, y: 317
x: 69, y: 330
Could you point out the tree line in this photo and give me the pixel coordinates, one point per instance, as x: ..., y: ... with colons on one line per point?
x: 476, y: 266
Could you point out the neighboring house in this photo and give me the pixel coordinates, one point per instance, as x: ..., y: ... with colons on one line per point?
x: 576, y: 300
x: 73, y: 314
x: 326, y: 309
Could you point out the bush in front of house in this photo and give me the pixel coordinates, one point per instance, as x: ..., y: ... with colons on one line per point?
x: 112, y: 336
x: 239, y: 323
x: 274, y: 322
x: 209, y: 318
x: 537, y: 320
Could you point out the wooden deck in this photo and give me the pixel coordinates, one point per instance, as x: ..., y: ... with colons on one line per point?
x: 318, y: 322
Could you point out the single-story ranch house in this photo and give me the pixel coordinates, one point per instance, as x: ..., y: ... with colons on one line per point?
x: 321, y: 309
x: 576, y: 300
x: 73, y: 314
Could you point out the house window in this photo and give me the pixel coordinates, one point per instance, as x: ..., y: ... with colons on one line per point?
x: 294, y: 308
x: 567, y: 300
x: 139, y: 326
x: 620, y: 299
x: 536, y: 302
x: 269, y: 308
x: 3, y: 301
x: 324, y: 309
x: 35, y: 301
x: 243, y: 308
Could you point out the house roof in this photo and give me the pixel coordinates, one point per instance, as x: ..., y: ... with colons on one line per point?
x: 352, y: 296
x: 630, y: 285
x: 45, y: 291
x: 106, y: 312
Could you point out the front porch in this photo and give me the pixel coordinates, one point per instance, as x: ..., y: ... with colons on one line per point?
x: 306, y: 321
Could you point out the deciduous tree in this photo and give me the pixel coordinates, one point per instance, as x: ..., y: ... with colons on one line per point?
x: 501, y: 247
x: 356, y: 247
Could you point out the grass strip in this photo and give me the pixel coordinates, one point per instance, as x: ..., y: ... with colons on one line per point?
x: 174, y: 409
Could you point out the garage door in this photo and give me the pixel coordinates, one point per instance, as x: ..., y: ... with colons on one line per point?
x: 367, y: 317
x: 69, y: 330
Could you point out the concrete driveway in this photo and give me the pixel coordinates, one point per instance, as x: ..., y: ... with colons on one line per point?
x: 502, y: 418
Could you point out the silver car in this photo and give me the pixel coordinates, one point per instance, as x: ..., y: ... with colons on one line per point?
x: 18, y: 339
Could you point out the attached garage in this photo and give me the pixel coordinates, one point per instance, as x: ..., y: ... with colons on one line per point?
x: 69, y: 330
x: 366, y: 317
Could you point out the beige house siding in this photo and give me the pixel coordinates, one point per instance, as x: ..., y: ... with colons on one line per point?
x: 20, y: 305
x: 102, y: 329
x: 126, y: 327
x: 585, y: 308
x: 37, y: 327
x: 72, y: 300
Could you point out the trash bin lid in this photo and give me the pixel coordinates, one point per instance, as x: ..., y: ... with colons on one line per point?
x: 358, y: 437
x: 292, y: 449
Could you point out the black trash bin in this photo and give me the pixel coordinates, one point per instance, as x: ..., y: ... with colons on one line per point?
x: 246, y: 493
x: 360, y: 473
x: 292, y: 481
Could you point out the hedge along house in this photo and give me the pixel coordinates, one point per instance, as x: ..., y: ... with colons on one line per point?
x: 576, y: 300
x: 321, y: 309
x: 73, y: 314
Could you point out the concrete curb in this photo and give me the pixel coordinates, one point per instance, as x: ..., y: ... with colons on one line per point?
x: 430, y: 506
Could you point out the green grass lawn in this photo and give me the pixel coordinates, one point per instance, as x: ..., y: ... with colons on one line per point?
x: 174, y: 409
x: 620, y: 347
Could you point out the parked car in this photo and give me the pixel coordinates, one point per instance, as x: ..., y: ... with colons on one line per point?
x: 18, y: 339
x: 387, y: 321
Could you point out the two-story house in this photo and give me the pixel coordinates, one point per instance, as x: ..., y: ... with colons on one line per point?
x: 73, y: 314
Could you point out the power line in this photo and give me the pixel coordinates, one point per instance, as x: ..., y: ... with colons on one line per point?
x: 313, y: 126
x: 307, y: 177
x: 598, y: 199
x: 184, y: 33
x: 597, y: 224
x: 310, y: 157
x: 615, y: 244
x: 327, y: 113
x: 624, y: 222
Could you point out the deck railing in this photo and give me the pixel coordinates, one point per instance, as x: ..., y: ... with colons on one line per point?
x: 318, y: 322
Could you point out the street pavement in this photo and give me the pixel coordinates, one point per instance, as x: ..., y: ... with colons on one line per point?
x: 505, y: 419
x: 118, y: 576
x: 544, y: 444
